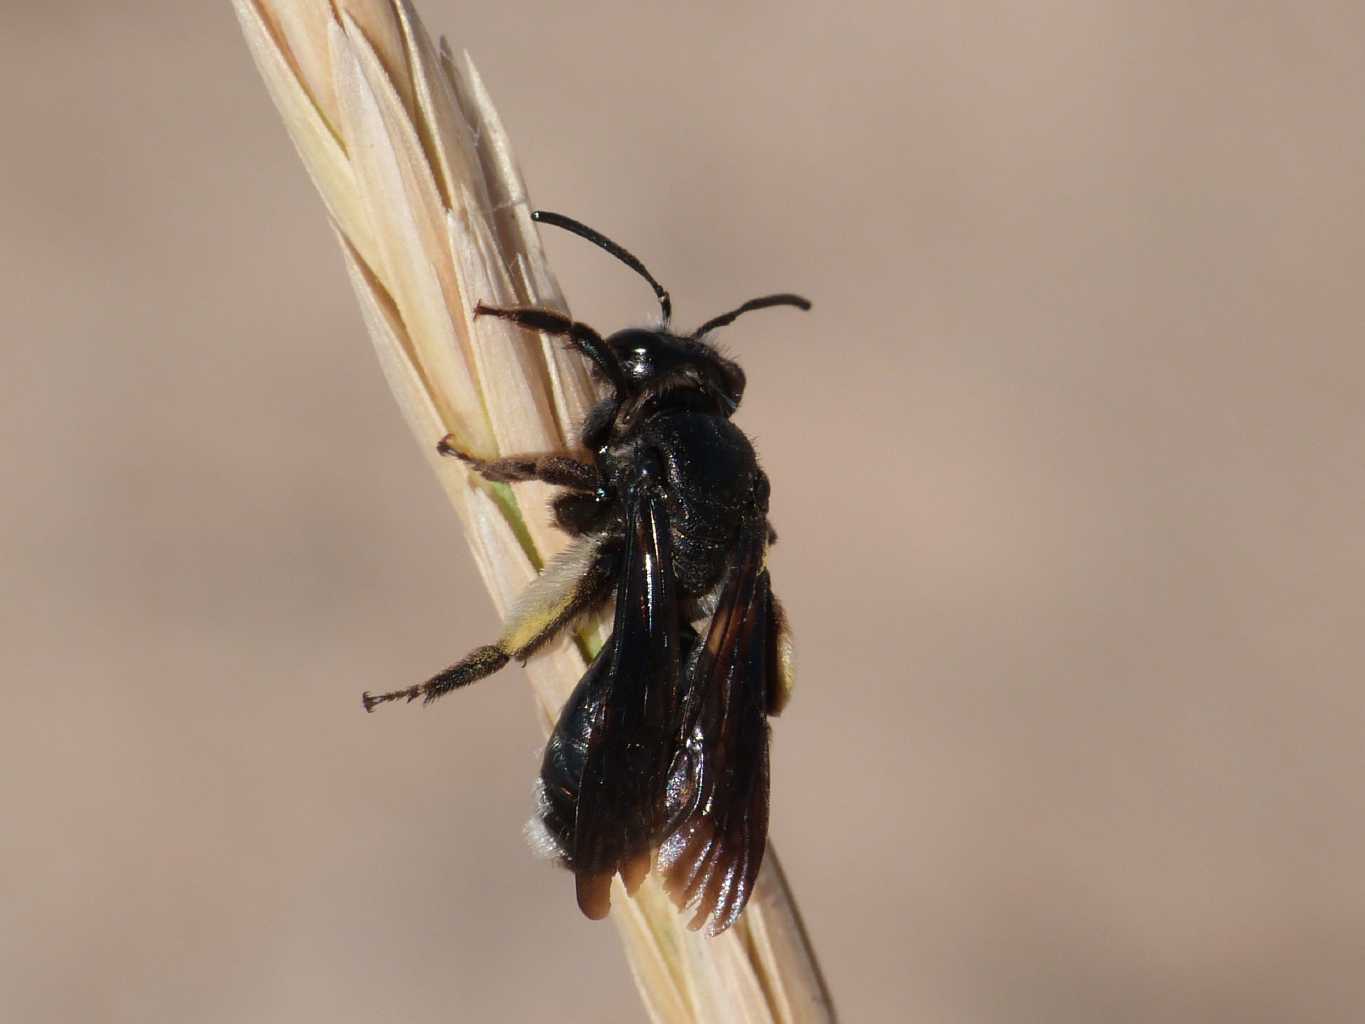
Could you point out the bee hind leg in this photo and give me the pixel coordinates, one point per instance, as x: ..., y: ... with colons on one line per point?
x: 576, y: 580
x: 476, y: 665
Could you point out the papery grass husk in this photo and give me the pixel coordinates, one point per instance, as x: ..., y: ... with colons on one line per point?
x: 432, y: 216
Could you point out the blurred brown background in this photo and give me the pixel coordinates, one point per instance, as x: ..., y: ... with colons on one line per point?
x: 1069, y: 466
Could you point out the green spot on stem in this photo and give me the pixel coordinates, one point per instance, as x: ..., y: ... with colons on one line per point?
x: 511, y: 511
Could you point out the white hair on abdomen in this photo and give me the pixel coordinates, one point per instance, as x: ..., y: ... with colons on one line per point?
x: 544, y: 844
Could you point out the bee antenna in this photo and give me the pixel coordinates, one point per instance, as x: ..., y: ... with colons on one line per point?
x: 784, y: 299
x: 603, y: 242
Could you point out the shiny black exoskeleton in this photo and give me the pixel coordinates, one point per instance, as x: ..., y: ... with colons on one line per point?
x: 660, y: 756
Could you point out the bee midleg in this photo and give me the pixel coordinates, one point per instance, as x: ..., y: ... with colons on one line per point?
x: 548, y: 467
x: 579, y: 578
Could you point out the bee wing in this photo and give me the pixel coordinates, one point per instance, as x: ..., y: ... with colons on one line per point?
x: 633, y: 730
x: 711, y: 857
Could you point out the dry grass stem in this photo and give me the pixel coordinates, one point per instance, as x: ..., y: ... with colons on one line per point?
x: 432, y: 216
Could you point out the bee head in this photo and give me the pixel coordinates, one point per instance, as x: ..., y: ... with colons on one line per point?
x: 673, y: 370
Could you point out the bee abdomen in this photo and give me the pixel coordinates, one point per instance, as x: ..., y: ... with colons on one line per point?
x: 551, y: 831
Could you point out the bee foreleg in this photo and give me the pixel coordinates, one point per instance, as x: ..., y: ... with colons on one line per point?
x: 583, y: 337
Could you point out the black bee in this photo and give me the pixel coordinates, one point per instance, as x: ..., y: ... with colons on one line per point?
x: 661, y: 753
